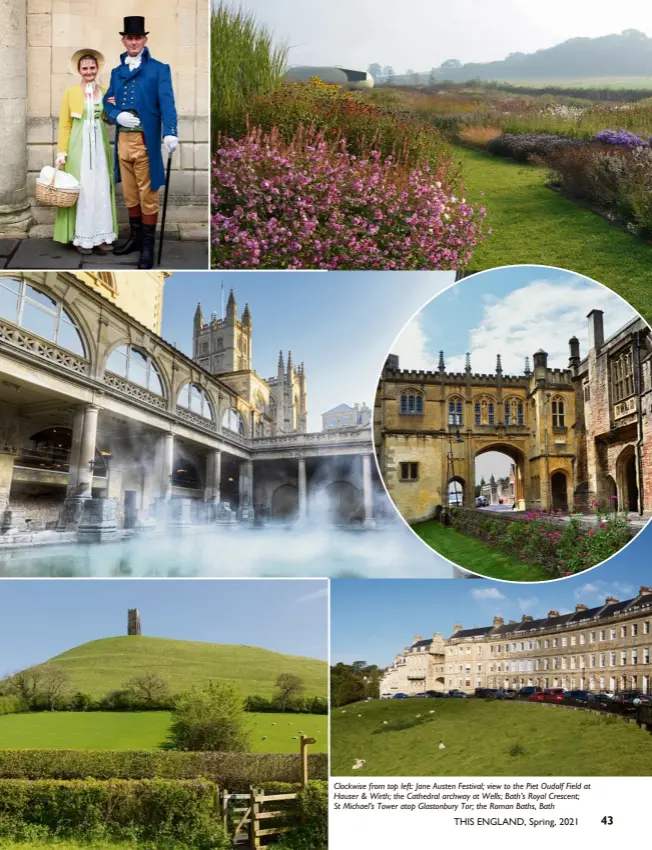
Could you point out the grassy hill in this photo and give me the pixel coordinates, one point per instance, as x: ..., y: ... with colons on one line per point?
x: 484, y: 738
x: 104, y: 665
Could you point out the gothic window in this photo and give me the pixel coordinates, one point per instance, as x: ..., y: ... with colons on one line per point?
x: 232, y: 420
x: 622, y: 376
x: 558, y: 414
x: 260, y: 403
x: 194, y: 398
x: 514, y: 412
x: 411, y: 403
x: 22, y: 304
x: 455, y: 411
x: 136, y: 366
x: 484, y: 411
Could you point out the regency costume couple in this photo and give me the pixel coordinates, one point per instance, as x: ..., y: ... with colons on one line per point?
x: 140, y: 102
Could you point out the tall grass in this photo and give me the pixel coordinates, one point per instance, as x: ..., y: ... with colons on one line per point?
x: 244, y: 61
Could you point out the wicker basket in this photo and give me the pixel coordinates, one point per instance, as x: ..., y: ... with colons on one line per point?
x: 50, y: 196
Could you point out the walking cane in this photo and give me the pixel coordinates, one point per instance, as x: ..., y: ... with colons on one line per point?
x: 165, y: 209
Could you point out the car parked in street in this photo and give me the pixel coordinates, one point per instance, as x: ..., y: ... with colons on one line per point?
x: 435, y: 694
x: 598, y: 702
x: 422, y: 695
x: 455, y: 694
x: 528, y: 691
x: 555, y: 695
x: 505, y: 693
x: 576, y: 698
x: 485, y: 692
x: 627, y: 701
x: 400, y: 696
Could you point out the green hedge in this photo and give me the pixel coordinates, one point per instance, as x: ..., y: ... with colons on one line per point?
x: 234, y: 771
x: 310, y: 831
x: 161, y: 810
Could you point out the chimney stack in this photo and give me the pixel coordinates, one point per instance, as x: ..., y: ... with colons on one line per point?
x: 574, y: 359
x: 498, y: 621
x: 596, y: 329
x: 457, y: 628
x: 527, y: 618
x: 611, y: 600
x: 581, y: 607
x: 553, y: 614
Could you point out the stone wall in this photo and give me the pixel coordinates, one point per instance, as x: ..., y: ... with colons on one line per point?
x: 178, y: 37
x: 41, y: 510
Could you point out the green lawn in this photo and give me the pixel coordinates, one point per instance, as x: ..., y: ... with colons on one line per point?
x: 484, y: 738
x: 147, y: 730
x: 104, y: 665
x: 533, y: 224
x: 67, y: 845
x: 475, y: 555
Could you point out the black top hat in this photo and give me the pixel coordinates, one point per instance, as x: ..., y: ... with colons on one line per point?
x: 134, y: 25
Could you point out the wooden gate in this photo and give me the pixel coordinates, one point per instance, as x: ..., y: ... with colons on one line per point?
x: 264, y: 822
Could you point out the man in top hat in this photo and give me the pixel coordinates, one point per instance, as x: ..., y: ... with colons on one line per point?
x: 140, y: 101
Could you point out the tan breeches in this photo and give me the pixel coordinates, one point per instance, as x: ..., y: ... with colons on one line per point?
x: 134, y: 172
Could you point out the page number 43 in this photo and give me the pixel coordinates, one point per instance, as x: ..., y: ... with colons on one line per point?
x: 607, y: 820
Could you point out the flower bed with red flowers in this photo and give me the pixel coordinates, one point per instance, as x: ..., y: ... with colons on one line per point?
x: 562, y: 547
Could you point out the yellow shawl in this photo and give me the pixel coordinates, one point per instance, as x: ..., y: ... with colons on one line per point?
x: 72, y: 106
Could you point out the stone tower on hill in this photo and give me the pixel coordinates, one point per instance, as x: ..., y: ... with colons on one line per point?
x: 133, y: 621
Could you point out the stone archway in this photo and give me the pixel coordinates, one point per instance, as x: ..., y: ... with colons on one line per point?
x: 627, y: 480
x: 559, y: 491
x: 518, y: 470
x: 285, y: 502
x: 456, y: 490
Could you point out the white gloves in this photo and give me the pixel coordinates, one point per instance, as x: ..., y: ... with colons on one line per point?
x: 171, y: 143
x: 126, y: 119
x: 60, y: 160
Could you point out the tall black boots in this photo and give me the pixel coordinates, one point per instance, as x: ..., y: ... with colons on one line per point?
x: 147, y: 250
x: 134, y: 240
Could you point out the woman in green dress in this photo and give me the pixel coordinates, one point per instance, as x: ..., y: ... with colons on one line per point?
x: 84, y: 152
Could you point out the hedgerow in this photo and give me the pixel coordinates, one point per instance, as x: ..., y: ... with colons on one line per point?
x: 235, y: 771
x: 163, y: 811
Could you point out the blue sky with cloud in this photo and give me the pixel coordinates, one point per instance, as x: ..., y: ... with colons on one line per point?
x: 373, y: 620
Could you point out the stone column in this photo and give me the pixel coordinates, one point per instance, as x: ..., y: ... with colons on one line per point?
x: 6, y: 474
x: 367, y: 492
x: 15, y: 213
x: 168, y: 465
x: 303, y: 490
x: 87, y: 452
x: 80, y: 473
x: 213, y: 476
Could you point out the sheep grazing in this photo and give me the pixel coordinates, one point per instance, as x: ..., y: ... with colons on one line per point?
x: 358, y: 764
x: 442, y: 745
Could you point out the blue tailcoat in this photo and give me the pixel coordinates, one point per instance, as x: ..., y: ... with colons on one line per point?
x: 148, y: 90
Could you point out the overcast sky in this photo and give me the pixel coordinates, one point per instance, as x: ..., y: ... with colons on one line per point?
x: 421, y: 34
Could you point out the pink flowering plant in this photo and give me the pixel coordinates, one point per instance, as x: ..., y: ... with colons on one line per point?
x: 538, y: 538
x: 311, y: 204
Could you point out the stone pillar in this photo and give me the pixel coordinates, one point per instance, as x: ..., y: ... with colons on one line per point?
x: 6, y: 474
x: 367, y: 491
x: 303, y: 490
x: 87, y: 453
x: 80, y: 472
x: 168, y: 465
x: 15, y: 213
x: 213, y: 476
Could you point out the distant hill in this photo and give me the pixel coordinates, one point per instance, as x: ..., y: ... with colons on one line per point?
x: 104, y: 665
x: 628, y: 54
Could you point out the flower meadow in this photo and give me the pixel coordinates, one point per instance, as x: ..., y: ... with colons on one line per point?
x: 543, y: 539
x: 312, y: 203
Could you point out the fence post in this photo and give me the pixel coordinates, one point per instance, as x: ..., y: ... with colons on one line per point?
x: 224, y: 808
x: 253, y: 820
x: 304, y: 758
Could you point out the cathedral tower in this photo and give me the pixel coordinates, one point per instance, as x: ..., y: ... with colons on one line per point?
x: 223, y: 345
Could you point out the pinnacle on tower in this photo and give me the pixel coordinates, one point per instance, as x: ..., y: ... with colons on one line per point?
x: 281, y: 366
x: 467, y: 365
x: 246, y: 316
x: 442, y: 365
x: 230, y: 305
x: 528, y: 371
x: 499, y: 365
x: 290, y: 363
x: 199, y: 317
